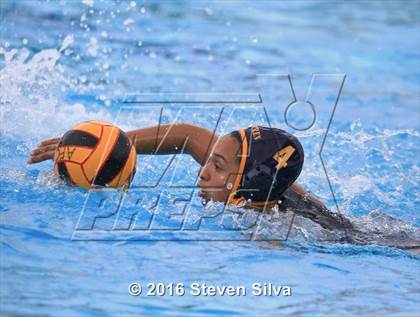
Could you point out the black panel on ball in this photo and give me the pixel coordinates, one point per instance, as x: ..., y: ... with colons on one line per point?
x: 115, y: 162
x: 64, y: 174
x: 78, y: 138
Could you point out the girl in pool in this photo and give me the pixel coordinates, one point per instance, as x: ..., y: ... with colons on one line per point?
x: 254, y: 168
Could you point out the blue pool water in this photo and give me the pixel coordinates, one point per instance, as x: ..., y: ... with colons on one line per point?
x: 62, y: 62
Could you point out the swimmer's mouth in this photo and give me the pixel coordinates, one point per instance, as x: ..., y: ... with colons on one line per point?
x: 203, y: 195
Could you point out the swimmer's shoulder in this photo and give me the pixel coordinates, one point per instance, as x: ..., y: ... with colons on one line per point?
x: 308, y: 208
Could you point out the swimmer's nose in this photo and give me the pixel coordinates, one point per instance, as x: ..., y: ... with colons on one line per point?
x: 203, y: 174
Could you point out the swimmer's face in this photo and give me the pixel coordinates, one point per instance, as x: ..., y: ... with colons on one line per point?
x: 218, y: 175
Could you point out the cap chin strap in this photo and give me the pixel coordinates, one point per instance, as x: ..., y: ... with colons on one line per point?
x: 236, y: 201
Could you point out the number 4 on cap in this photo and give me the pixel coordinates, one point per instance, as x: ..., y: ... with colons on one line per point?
x: 283, y: 156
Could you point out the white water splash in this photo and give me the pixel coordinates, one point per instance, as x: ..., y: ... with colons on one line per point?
x: 30, y: 96
x: 68, y: 40
x: 89, y: 3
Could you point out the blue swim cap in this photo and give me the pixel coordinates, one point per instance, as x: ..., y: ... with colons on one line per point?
x: 271, y: 160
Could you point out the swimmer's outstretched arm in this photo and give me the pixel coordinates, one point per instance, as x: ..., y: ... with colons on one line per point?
x: 159, y: 139
x: 172, y: 138
x: 163, y: 139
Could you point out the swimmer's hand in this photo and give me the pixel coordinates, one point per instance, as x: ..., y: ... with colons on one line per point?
x: 44, y: 151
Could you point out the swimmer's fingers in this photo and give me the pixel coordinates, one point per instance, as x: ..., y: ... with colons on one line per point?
x: 42, y: 153
x: 49, y: 142
x: 41, y: 156
x: 42, y: 149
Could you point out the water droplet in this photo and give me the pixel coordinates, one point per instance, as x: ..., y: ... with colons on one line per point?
x: 89, y: 3
x: 128, y: 21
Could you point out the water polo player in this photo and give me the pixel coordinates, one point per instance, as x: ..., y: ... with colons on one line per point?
x: 254, y: 168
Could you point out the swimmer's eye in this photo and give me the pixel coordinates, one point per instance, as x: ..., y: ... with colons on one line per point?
x: 217, y: 166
